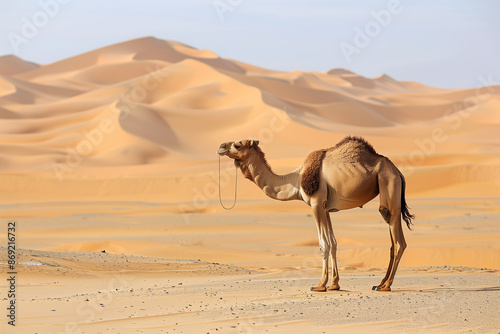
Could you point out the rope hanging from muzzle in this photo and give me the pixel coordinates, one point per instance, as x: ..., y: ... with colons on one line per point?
x: 235, y: 188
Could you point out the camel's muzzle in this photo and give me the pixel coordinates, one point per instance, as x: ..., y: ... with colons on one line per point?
x: 222, y: 150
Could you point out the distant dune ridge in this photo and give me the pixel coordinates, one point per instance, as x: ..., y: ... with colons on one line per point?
x: 149, y: 109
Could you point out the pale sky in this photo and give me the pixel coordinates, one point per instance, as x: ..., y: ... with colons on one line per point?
x: 445, y: 44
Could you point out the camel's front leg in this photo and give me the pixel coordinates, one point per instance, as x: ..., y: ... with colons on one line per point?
x: 322, y: 225
x: 333, y: 256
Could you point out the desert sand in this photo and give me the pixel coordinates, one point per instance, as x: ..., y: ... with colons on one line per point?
x: 108, y: 167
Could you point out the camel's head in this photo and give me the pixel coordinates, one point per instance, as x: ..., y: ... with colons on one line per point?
x: 238, y: 150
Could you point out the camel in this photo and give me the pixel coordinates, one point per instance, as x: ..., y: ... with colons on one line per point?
x: 345, y: 176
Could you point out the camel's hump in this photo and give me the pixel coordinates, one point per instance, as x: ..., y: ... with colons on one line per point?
x: 355, y: 143
x: 312, y: 164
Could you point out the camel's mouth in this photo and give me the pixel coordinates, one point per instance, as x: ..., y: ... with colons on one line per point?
x: 222, y: 150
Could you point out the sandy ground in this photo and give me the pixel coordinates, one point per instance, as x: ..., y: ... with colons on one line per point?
x: 106, y: 293
x: 243, y: 272
x: 108, y: 168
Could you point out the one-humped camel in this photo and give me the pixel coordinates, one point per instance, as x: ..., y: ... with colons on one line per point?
x: 342, y: 177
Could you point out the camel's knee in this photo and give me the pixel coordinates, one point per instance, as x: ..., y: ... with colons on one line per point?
x: 324, y: 248
x: 333, y: 247
x: 400, y: 248
x: 386, y: 214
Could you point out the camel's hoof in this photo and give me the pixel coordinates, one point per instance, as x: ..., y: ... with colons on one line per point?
x: 379, y: 288
x: 333, y: 287
x: 318, y: 288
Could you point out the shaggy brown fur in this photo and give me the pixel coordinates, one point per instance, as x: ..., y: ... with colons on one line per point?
x: 312, y: 164
x: 244, y: 169
x: 310, y: 175
x: 359, y: 140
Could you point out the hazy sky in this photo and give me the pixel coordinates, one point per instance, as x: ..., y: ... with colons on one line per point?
x: 440, y: 43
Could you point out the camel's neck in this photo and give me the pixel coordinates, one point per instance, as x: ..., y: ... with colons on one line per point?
x: 281, y: 187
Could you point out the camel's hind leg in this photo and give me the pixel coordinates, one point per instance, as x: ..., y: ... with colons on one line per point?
x: 397, y: 249
x: 391, y: 262
x: 390, y: 209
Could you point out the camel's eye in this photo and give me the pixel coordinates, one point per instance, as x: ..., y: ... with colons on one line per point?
x: 237, y: 146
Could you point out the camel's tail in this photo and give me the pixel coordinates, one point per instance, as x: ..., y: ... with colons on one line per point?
x: 405, y: 212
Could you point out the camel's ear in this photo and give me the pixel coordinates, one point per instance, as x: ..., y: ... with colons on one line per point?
x: 251, y: 143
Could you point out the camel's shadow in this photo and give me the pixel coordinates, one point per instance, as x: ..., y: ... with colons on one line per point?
x: 449, y: 289
x: 418, y: 290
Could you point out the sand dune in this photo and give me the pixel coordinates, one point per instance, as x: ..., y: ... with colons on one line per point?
x: 140, y: 107
x: 11, y: 65
x: 168, y: 102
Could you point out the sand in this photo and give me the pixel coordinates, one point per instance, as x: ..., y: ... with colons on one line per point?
x: 108, y: 167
